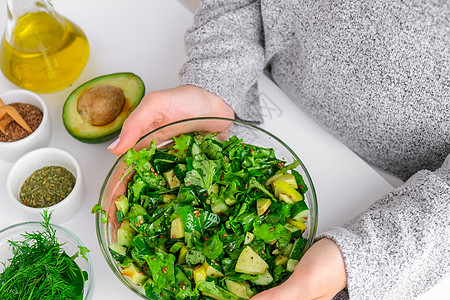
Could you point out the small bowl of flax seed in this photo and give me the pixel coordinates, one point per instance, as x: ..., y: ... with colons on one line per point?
x: 24, y: 124
x: 46, y: 178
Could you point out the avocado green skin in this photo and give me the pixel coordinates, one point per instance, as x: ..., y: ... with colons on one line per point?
x: 98, y: 140
x: 94, y: 82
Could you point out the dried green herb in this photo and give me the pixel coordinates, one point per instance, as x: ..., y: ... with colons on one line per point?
x: 41, y: 269
x: 47, y: 186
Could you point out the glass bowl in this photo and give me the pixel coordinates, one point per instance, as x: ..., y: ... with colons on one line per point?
x: 115, y: 185
x: 71, y: 247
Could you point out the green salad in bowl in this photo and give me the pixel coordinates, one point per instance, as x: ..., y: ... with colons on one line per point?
x: 204, y: 215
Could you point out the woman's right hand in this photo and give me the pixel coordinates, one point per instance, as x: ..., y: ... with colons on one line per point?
x: 166, y: 106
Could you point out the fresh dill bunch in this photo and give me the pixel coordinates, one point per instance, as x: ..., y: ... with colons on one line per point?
x: 41, y: 269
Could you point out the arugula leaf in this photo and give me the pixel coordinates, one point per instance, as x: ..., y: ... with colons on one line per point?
x: 181, y: 145
x: 253, y: 183
x: 204, y: 173
x: 140, y: 157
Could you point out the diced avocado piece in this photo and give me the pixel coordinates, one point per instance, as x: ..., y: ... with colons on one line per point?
x: 285, y: 192
x: 288, y: 178
x: 122, y: 204
x: 299, y: 211
x: 249, y: 262
x: 219, y: 207
x: 262, y: 204
x: 199, y: 274
x: 249, y: 236
x: 230, y: 201
x: 212, y: 272
x: 290, y: 265
x: 95, y: 111
x: 182, y: 255
x: 177, y: 229
x: 214, y: 189
x: 298, y: 224
x: 171, y: 179
x: 263, y: 279
x: 126, y: 226
x: 118, y: 252
x: 124, y: 237
x: 240, y: 289
x: 134, y: 273
x: 281, y: 260
x: 167, y: 198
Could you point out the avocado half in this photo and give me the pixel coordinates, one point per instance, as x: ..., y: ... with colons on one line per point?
x: 95, y: 111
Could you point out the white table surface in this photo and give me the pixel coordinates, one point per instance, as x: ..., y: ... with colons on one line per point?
x: 146, y: 38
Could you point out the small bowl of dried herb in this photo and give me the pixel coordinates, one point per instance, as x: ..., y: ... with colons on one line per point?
x: 42, y: 260
x: 24, y: 123
x: 46, y: 178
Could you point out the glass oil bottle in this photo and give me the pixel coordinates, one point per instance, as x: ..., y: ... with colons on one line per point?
x: 41, y: 50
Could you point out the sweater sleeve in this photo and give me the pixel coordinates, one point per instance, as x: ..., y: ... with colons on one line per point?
x: 226, y: 53
x: 400, y: 247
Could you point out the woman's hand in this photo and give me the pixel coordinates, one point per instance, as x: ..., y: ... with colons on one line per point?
x: 320, y: 274
x: 166, y: 106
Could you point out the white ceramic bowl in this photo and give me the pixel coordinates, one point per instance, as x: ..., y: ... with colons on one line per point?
x: 36, y: 160
x: 11, y: 151
x: 69, y: 239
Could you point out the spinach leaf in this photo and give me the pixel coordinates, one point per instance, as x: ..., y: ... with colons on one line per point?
x: 196, y: 219
x: 162, y: 266
x: 213, y: 247
x: 269, y: 232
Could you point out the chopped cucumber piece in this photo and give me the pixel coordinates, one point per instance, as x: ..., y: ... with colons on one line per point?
x: 299, y: 211
x: 118, y: 252
x: 297, y: 249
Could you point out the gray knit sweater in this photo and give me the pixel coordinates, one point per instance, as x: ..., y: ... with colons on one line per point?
x: 376, y: 74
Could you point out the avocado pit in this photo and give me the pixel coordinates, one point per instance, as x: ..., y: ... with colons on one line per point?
x: 101, y: 104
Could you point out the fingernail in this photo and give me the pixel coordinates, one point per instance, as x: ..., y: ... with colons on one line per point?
x: 114, y: 144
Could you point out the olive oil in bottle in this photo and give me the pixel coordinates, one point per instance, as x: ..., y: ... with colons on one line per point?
x: 44, y: 52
